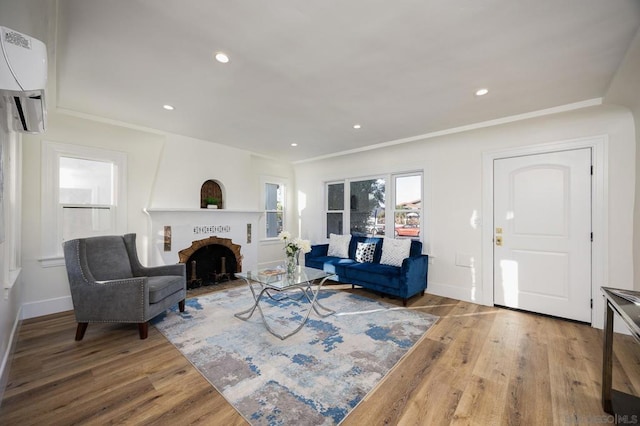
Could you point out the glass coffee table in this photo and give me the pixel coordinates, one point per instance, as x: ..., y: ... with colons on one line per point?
x: 278, y: 286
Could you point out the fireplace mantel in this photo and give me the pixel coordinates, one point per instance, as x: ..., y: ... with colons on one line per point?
x: 191, y: 224
x: 197, y: 210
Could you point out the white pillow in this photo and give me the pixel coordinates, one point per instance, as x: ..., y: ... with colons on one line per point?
x: 394, y: 251
x: 339, y: 245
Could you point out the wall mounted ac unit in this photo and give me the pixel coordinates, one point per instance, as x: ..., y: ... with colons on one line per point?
x: 23, y: 78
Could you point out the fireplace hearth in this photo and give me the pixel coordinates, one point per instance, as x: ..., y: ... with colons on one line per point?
x: 211, y: 261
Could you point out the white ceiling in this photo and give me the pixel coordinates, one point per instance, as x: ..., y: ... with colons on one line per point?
x: 306, y: 71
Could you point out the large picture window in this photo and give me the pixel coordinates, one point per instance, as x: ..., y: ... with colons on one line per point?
x: 374, y: 209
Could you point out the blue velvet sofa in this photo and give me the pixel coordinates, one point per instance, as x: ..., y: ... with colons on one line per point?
x: 403, y: 282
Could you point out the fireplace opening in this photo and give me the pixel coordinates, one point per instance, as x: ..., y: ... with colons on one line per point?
x: 211, y: 261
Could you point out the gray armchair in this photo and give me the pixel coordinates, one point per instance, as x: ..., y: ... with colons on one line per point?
x: 108, y: 283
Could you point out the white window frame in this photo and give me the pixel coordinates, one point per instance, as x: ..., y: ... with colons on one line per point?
x: 285, y: 204
x: 52, y: 239
x: 346, y: 218
x: 390, y: 197
x: 394, y: 210
x: 11, y: 158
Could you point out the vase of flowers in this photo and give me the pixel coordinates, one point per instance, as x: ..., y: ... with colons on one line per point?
x: 292, y: 249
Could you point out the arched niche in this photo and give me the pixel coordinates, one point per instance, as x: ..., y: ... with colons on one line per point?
x: 211, y: 188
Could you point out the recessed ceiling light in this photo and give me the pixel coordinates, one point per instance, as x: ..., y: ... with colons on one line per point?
x: 222, y: 58
x: 357, y: 126
x: 168, y: 107
x: 482, y: 92
x: 294, y: 144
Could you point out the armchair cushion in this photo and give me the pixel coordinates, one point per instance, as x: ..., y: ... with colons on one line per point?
x: 107, y: 258
x: 163, y: 286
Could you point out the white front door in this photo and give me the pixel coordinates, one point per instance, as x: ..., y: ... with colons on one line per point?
x: 542, y: 233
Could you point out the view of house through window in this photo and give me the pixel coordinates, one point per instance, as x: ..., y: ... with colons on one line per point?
x: 86, y: 197
x: 408, y: 203
x: 274, y: 209
x: 368, y: 199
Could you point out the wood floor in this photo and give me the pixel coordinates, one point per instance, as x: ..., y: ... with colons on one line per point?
x: 477, y: 365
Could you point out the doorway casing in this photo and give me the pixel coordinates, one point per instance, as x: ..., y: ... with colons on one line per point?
x: 599, y: 196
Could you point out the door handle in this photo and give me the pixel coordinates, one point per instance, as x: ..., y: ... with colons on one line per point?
x: 498, y: 240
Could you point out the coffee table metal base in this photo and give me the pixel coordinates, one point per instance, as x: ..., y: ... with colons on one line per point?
x: 307, y: 294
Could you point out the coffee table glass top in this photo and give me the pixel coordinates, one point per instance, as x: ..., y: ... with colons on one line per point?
x: 279, y: 286
x: 279, y: 279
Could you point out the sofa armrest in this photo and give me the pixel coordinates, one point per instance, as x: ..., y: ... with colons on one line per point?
x: 414, y: 271
x: 318, y: 250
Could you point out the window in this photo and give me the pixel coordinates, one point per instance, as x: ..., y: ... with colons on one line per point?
x: 408, y: 205
x: 85, y: 191
x: 84, y: 195
x: 335, y: 208
x: 367, y: 201
x: 274, y: 209
x: 367, y: 207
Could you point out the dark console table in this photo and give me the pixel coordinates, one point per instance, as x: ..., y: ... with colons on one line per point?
x: 613, y: 401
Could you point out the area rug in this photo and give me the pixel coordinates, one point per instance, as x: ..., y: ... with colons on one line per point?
x: 315, y: 377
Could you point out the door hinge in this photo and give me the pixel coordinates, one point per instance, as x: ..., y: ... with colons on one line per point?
x: 592, y: 237
x: 591, y: 170
x: 591, y: 303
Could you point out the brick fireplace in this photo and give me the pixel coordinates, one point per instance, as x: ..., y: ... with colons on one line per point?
x: 211, y: 260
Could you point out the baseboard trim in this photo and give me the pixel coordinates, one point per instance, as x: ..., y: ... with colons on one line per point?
x: 467, y: 295
x: 454, y: 292
x: 6, y: 359
x: 46, y: 307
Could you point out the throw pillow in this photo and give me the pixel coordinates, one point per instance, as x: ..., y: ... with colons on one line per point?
x: 394, y: 251
x: 364, y: 252
x: 339, y: 245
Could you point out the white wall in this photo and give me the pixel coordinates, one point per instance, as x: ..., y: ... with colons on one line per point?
x: 625, y: 90
x: 187, y: 163
x: 453, y: 188
x: 163, y: 171
x: 11, y: 287
x: 271, y: 252
x: 46, y: 288
x: 29, y: 17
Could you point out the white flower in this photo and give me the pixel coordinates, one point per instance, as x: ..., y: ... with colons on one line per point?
x: 291, y: 247
x: 284, y: 235
x: 305, y: 246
